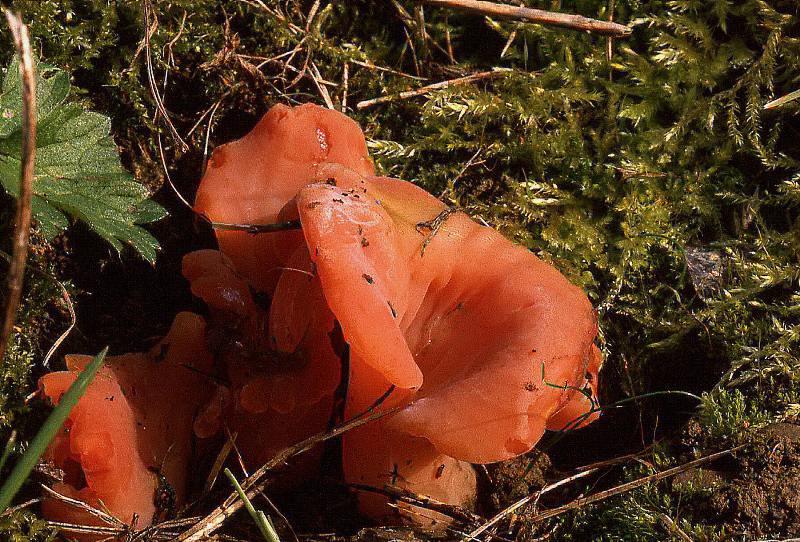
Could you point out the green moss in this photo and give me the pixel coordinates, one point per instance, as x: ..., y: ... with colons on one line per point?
x: 729, y: 416
x: 24, y: 526
x: 30, y: 339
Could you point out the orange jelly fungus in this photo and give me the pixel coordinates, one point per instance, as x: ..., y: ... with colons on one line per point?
x: 475, y: 344
x: 275, y: 397
x: 248, y: 181
x: 126, y: 445
x: 484, y: 346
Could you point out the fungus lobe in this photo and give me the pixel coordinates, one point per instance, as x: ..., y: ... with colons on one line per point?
x: 126, y: 445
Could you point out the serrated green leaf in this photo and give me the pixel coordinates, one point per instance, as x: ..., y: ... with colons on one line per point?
x: 148, y: 211
x: 78, y: 173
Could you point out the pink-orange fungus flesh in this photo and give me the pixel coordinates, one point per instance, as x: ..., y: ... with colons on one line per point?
x: 129, y: 436
x: 477, y: 336
x: 248, y: 181
x: 475, y: 344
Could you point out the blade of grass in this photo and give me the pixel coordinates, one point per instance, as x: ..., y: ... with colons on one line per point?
x: 12, y: 439
x: 262, y: 521
x: 48, y: 431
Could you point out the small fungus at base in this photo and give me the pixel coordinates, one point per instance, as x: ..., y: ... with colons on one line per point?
x: 131, y: 432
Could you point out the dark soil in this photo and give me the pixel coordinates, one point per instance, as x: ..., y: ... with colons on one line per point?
x: 762, y: 494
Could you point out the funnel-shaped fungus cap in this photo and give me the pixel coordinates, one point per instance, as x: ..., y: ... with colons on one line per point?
x: 248, y: 181
x: 496, y: 340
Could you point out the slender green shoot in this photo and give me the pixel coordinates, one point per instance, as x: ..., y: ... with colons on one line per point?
x: 7, y: 450
x: 48, y: 431
x: 262, y: 521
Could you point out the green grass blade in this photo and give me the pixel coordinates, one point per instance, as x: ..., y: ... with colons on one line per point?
x: 268, y: 526
x: 7, y: 450
x: 48, y: 431
x: 263, y: 523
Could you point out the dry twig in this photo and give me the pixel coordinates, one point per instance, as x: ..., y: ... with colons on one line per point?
x: 22, y: 506
x: 629, y: 486
x: 222, y: 456
x: 423, y: 501
x: 254, y: 484
x: 161, y: 110
x: 70, y: 308
x: 99, y: 514
x: 498, y: 72
x: 22, y: 220
x: 531, y: 15
x: 673, y: 528
x: 525, y: 500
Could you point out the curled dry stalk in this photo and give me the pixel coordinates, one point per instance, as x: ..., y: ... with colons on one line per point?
x: 22, y: 219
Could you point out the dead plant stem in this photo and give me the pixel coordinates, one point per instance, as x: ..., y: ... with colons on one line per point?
x: 492, y: 74
x: 22, y: 219
x: 531, y: 15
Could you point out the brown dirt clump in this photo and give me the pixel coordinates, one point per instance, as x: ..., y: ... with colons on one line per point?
x: 764, y: 493
x: 512, y: 480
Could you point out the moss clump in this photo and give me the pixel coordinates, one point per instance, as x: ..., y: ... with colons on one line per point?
x: 653, y: 177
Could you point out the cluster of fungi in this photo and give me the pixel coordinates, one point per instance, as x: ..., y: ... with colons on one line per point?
x: 382, y: 297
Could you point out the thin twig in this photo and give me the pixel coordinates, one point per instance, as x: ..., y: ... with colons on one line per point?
x: 629, y: 486
x: 99, y: 514
x: 70, y: 308
x: 497, y: 72
x: 72, y: 323
x: 316, y: 77
x: 345, y: 84
x: 222, y: 456
x: 208, y: 136
x: 433, y: 226
x: 87, y: 529
x: 254, y: 484
x: 531, y: 15
x: 783, y: 100
x: 425, y: 501
x: 371, y: 66
x: 257, y: 228
x: 17, y: 508
x: 161, y: 110
x: 525, y: 500
x: 673, y: 528
x: 22, y: 220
